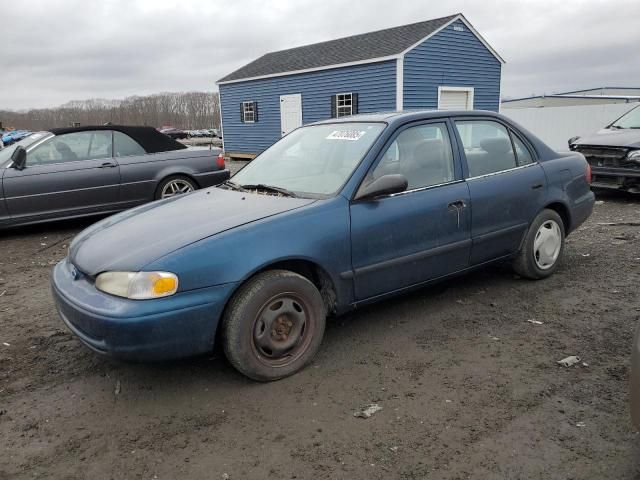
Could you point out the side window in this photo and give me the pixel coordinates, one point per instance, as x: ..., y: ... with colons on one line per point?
x: 72, y: 147
x: 522, y: 152
x: 422, y: 154
x: 487, y: 146
x: 125, y: 146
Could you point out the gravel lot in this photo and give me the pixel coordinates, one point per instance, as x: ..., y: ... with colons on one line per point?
x: 469, y: 388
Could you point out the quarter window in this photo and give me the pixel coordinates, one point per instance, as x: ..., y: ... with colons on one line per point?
x: 249, y: 112
x: 422, y: 154
x: 125, y: 146
x: 72, y: 147
x: 487, y: 147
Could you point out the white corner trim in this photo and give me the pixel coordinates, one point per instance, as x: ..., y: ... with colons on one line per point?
x: 221, y: 124
x: 400, y: 84
x: 471, y: 29
x: 469, y: 90
x: 316, y: 69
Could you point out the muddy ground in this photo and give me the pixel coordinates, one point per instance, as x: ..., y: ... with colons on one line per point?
x: 469, y: 388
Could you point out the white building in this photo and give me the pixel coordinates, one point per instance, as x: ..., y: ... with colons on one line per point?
x: 556, y: 118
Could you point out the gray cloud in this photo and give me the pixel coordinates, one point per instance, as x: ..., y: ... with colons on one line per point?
x: 54, y: 52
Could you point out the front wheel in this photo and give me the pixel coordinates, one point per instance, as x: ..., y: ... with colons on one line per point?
x: 542, y: 248
x: 273, y: 325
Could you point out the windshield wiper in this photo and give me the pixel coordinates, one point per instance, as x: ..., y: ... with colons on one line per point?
x: 617, y: 127
x: 270, y: 188
x: 232, y: 185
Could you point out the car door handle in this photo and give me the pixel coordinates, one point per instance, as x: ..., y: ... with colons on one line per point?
x: 536, y: 186
x: 458, y: 204
x: 108, y: 165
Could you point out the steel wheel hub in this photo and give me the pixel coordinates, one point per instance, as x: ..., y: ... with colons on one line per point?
x: 176, y: 187
x: 547, y: 244
x: 280, y: 331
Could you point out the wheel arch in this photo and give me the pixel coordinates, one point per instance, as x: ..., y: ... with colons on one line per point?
x: 166, y: 176
x: 310, y: 269
x: 561, y: 209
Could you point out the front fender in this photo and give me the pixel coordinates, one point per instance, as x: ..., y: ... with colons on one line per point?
x: 317, y: 233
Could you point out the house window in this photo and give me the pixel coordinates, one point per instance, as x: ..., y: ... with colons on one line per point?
x: 249, y: 112
x: 344, y: 104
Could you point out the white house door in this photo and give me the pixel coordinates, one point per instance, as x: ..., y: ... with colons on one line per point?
x: 455, y: 98
x: 290, y: 112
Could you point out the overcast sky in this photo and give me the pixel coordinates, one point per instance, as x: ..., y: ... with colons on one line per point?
x: 54, y: 51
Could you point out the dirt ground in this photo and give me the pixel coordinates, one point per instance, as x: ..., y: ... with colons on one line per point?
x: 469, y: 388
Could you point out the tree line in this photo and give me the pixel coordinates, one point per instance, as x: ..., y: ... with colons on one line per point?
x: 186, y: 110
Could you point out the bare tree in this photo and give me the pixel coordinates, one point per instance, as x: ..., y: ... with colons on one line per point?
x: 187, y: 110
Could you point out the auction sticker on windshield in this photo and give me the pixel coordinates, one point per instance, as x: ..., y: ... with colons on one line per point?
x: 352, y: 135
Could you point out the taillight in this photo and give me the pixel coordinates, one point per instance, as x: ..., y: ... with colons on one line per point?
x: 588, y: 174
x: 220, y: 160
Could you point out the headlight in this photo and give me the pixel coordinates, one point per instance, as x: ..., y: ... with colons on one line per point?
x: 634, y: 156
x: 138, y: 285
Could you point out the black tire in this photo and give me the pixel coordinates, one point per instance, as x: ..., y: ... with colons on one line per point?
x: 527, y: 262
x: 245, y: 332
x: 172, y: 178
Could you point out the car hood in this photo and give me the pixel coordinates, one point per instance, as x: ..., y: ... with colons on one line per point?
x: 132, y: 239
x: 612, y: 137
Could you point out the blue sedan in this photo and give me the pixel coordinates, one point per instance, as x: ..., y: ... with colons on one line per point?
x: 333, y: 216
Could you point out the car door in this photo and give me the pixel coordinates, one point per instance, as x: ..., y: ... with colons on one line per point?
x: 422, y: 233
x: 137, y: 170
x: 507, y: 186
x: 68, y: 174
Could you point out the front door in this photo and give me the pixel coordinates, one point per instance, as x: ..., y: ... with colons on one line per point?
x: 417, y: 235
x: 507, y: 187
x: 66, y: 175
x: 290, y: 112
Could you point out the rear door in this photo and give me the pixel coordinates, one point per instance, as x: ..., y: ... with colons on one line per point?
x: 423, y: 233
x: 68, y: 174
x: 506, y: 184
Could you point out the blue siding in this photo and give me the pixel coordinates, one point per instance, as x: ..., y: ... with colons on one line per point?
x: 374, y: 83
x: 451, y: 58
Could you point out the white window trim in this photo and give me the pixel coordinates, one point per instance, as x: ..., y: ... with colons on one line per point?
x: 469, y: 90
x: 252, y: 110
x: 338, y: 107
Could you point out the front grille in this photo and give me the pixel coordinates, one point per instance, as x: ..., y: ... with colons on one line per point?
x: 615, y: 157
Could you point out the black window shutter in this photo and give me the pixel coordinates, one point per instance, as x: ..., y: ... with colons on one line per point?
x: 334, y: 110
x: 354, y: 103
x: 241, y: 112
x: 255, y: 111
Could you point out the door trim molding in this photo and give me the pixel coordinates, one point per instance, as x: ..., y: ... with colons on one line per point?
x: 412, y: 257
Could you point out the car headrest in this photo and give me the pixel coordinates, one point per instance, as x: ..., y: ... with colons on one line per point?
x: 496, y: 146
x: 433, y: 148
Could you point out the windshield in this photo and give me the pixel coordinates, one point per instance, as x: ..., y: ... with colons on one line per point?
x: 315, y: 160
x: 26, y: 142
x: 628, y: 120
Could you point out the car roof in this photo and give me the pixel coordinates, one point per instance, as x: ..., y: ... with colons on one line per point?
x: 148, y: 137
x: 408, y: 115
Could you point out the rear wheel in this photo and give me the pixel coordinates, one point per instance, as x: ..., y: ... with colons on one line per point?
x: 273, y: 325
x: 541, y: 251
x: 175, y: 185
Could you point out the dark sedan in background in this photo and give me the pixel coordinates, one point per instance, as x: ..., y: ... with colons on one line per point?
x: 73, y: 172
x: 614, y: 153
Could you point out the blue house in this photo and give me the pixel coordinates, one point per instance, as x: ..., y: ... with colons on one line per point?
x: 442, y: 63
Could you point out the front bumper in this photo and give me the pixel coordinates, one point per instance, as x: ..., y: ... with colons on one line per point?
x: 635, y: 381
x: 141, y: 330
x: 209, y: 179
x: 616, y: 178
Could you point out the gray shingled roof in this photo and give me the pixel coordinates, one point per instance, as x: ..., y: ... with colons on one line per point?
x: 366, y: 46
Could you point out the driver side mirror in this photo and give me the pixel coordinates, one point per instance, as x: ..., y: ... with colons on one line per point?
x: 385, y: 185
x: 19, y: 158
